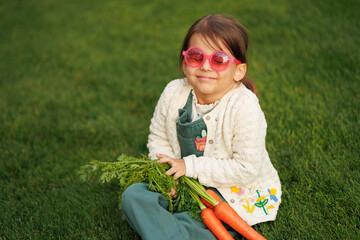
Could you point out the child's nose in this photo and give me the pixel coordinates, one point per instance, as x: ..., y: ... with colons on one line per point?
x: 206, y: 65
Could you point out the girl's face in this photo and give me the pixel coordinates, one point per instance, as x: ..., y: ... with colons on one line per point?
x: 210, y: 85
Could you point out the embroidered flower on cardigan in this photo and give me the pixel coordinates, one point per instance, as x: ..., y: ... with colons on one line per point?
x: 247, y: 205
x: 261, y: 201
x: 272, y: 194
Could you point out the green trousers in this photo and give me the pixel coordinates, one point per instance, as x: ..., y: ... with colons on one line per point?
x: 147, y: 214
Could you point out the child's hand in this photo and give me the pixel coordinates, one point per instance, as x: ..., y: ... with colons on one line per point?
x: 173, y: 193
x: 178, y: 167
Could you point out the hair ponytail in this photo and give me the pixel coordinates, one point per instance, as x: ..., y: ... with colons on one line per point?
x: 250, y: 85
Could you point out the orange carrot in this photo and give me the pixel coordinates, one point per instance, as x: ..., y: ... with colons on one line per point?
x: 214, y: 195
x: 222, y: 210
x: 211, y: 221
x: 215, y: 225
x: 228, y: 215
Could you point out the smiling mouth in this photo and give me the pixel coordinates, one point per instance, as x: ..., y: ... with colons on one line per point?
x: 206, y: 78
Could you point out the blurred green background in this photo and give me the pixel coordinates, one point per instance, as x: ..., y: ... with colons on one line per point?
x: 79, y: 81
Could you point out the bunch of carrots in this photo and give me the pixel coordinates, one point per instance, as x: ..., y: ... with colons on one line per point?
x: 129, y: 170
x: 213, y: 209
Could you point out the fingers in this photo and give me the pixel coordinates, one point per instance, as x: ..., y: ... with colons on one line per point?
x: 177, y: 170
x: 176, y: 173
x: 171, y: 171
x: 178, y: 167
x: 173, y: 193
x: 159, y: 155
x: 164, y: 158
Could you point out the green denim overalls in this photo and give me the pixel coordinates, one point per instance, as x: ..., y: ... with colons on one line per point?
x: 191, y: 135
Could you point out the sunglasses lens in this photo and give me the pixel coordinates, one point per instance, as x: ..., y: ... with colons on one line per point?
x: 194, y: 57
x: 220, y: 61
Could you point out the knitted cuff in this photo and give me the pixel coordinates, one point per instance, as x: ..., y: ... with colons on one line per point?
x: 189, y: 164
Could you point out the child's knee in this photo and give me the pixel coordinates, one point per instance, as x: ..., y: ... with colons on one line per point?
x: 132, y: 194
x: 138, y: 196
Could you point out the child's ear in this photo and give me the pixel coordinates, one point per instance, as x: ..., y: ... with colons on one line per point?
x: 240, y: 72
x: 183, y: 67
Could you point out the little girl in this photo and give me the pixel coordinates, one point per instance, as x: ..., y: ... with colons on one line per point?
x: 208, y: 126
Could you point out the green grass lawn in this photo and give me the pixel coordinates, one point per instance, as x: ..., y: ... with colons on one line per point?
x: 79, y: 80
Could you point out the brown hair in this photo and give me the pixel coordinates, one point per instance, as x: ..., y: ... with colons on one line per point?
x: 232, y: 34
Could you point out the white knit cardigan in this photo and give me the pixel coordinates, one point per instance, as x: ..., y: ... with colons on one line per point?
x: 235, y: 159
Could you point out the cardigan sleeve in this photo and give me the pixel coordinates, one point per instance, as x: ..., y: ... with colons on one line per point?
x: 158, y: 141
x: 243, y: 132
